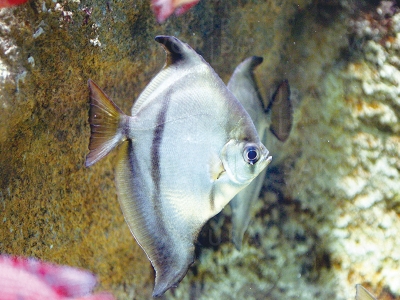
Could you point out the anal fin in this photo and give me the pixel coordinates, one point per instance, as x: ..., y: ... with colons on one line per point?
x: 169, y: 249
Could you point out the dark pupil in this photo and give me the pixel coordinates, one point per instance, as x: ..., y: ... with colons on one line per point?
x: 252, y: 154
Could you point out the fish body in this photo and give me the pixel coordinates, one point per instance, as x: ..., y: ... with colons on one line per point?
x: 188, y: 147
x: 164, y: 8
x: 32, y: 279
x: 277, y: 117
x: 363, y: 294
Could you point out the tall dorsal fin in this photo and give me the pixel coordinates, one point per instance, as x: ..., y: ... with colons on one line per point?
x: 248, y: 66
x: 176, y: 50
x: 181, y: 58
x: 243, y: 79
x: 252, y: 62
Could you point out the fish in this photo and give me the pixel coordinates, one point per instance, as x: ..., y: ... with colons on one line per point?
x: 185, y: 151
x: 277, y: 116
x: 33, y: 279
x: 165, y: 8
x: 10, y: 3
x: 363, y: 294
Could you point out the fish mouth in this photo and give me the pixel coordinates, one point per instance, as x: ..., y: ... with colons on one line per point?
x: 267, y: 158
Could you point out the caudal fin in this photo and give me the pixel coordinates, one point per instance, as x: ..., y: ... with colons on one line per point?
x: 106, y: 124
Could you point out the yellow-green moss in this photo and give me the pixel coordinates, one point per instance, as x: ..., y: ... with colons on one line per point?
x: 53, y: 208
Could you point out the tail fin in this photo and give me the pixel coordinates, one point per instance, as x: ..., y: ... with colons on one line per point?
x: 106, y: 124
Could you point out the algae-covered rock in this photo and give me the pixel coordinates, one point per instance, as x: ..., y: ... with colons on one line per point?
x: 328, y: 217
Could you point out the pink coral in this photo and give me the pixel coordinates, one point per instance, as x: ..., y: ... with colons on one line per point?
x: 9, y: 3
x: 31, y: 279
x: 164, y: 8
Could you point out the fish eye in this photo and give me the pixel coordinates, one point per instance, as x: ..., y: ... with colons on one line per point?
x: 251, y: 154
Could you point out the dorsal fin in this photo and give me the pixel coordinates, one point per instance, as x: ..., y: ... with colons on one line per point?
x: 252, y: 62
x: 181, y: 58
x: 248, y: 65
x: 176, y: 50
x: 243, y: 79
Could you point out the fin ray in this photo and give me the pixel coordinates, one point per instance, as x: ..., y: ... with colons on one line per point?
x: 175, y: 49
x: 105, y: 120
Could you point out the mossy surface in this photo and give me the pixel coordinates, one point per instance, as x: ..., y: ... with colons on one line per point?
x: 54, y: 208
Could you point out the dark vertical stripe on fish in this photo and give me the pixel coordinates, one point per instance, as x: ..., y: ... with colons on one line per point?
x: 154, y: 227
x: 164, y: 258
x: 155, y: 151
x: 212, y: 198
x: 155, y: 156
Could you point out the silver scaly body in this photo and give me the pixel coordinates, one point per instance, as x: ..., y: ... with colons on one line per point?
x: 187, y: 150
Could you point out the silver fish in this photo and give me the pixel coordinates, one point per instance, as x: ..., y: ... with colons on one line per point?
x: 187, y: 149
x: 363, y: 294
x: 277, y: 116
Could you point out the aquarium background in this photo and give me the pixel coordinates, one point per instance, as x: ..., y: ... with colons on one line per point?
x: 329, y: 213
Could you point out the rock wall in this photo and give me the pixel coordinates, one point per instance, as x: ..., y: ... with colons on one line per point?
x: 328, y: 216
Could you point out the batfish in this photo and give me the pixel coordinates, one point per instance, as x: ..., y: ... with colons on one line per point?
x: 277, y: 116
x: 187, y: 149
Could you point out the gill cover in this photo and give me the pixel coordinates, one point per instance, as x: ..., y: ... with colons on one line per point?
x: 244, y: 161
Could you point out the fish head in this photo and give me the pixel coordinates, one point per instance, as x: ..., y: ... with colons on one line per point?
x: 244, y: 160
